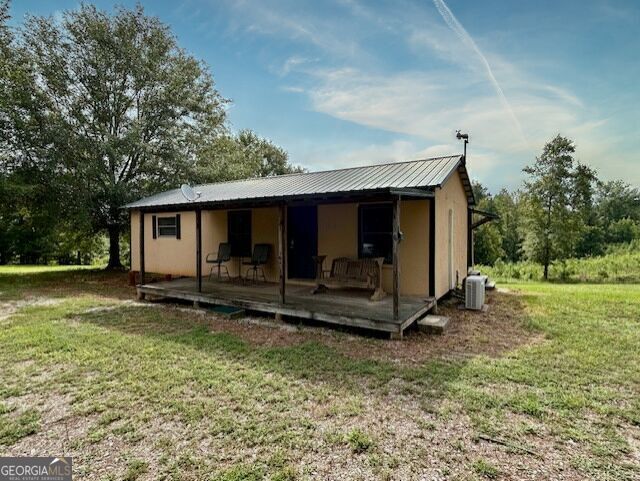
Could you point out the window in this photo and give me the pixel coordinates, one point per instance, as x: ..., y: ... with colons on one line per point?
x: 376, y: 231
x: 166, y: 226
x: 239, y: 232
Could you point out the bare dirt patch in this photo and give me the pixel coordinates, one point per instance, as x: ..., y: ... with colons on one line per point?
x: 501, y: 329
x: 7, y: 309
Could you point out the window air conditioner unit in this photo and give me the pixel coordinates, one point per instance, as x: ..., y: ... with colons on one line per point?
x: 474, y: 292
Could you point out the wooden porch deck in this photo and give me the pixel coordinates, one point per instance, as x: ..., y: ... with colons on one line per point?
x: 344, y: 307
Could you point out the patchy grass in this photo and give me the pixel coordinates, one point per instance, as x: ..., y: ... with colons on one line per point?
x: 485, y: 469
x: 552, y: 373
x: 135, y: 469
x: 359, y: 441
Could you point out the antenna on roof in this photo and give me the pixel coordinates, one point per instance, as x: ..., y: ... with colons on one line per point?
x: 189, y: 193
x: 464, y: 137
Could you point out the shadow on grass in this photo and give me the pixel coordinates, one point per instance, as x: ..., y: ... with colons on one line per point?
x: 305, y: 360
x: 336, y: 360
x: 62, y: 283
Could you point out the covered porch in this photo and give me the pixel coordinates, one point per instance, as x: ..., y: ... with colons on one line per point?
x: 343, y: 307
x: 297, y: 232
x: 398, y: 231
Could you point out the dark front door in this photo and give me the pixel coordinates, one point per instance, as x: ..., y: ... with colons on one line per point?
x: 302, y: 241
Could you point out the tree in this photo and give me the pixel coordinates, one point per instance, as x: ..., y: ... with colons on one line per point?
x: 25, y: 211
x: 508, y: 206
x: 487, y: 247
x: 480, y: 191
x: 583, y: 204
x: 239, y: 157
x: 551, y: 228
x: 623, y: 231
x: 501, y: 238
x: 487, y: 239
x: 618, y: 207
x: 121, y: 110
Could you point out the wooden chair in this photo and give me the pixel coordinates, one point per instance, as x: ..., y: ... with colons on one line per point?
x: 259, y: 259
x: 356, y: 273
x: 217, y: 259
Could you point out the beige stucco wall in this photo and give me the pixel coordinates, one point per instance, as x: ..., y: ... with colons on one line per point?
x: 337, y: 231
x: 414, y: 250
x: 264, y: 225
x: 167, y: 255
x: 451, y: 196
x: 338, y: 236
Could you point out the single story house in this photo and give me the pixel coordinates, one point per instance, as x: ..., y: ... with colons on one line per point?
x: 402, y: 230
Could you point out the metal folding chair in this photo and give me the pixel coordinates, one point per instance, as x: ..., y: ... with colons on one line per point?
x: 218, y: 259
x: 259, y: 259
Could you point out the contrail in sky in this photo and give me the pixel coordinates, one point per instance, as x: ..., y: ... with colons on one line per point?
x: 459, y: 30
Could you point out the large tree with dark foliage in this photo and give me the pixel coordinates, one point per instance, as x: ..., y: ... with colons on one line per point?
x: 120, y: 111
x: 97, y: 110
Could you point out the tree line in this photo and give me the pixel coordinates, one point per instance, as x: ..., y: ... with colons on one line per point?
x: 563, y: 210
x: 98, y: 109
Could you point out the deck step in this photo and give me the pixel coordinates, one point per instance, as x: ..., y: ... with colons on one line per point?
x: 433, y: 324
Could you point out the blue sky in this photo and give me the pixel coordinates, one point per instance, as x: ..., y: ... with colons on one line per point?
x: 347, y: 82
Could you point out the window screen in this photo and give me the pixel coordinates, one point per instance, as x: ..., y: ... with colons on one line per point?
x: 239, y: 232
x: 376, y: 231
x: 167, y: 226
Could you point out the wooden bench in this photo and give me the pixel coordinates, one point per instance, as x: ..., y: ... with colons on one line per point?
x: 357, y: 273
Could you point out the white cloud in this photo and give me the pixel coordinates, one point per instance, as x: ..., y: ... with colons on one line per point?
x: 447, y: 88
x: 431, y: 106
x: 293, y: 62
x: 374, y: 153
x: 467, y: 40
x: 289, y: 20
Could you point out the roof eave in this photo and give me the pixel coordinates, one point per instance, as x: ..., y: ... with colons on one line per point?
x: 461, y: 168
x: 426, y: 192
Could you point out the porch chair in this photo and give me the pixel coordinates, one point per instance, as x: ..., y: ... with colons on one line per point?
x: 217, y: 259
x: 259, y: 259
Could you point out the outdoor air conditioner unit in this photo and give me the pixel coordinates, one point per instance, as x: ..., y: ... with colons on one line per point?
x: 474, y: 292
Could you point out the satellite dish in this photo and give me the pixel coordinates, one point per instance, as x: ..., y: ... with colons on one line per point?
x: 189, y: 193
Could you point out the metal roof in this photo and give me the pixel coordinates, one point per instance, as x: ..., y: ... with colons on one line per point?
x: 416, y: 174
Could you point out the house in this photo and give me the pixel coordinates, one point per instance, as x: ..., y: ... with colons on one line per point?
x: 411, y: 219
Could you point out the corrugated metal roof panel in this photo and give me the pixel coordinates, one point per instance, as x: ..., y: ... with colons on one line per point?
x: 412, y: 174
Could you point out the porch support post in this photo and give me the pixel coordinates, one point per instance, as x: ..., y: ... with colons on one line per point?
x: 142, y: 279
x: 432, y: 247
x: 199, y: 249
x: 469, y: 239
x: 396, y: 257
x: 281, y: 251
x: 130, y: 247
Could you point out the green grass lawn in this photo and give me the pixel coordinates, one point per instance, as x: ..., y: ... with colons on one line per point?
x: 546, y: 385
